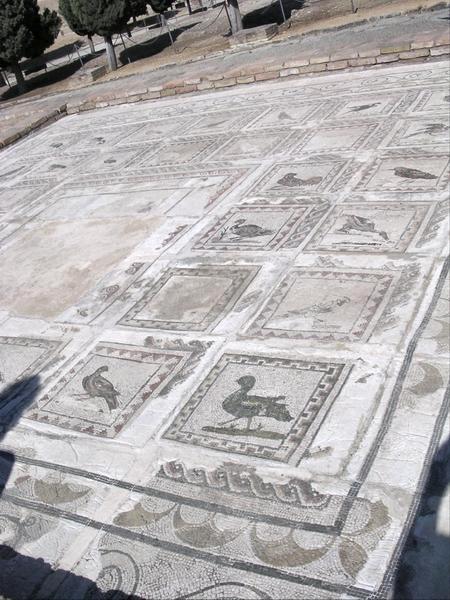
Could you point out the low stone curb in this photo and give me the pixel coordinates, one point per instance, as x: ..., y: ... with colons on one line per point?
x: 418, y: 49
x: 46, y: 119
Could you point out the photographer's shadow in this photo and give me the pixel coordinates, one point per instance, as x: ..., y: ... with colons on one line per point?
x: 22, y: 576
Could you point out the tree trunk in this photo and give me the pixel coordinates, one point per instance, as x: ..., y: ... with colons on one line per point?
x: 91, y: 44
x: 235, y: 16
x: 21, y: 83
x: 111, y: 53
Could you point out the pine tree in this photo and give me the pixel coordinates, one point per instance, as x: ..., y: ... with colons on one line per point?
x: 160, y: 6
x: 25, y: 32
x: 101, y: 17
x: 77, y: 26
x: 137, y: 8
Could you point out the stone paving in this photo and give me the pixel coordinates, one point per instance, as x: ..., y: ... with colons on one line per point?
x: 223, y: 340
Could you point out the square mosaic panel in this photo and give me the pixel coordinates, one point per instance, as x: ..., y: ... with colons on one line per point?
x: 328, y: 304
x: 182, y: 150
x: 290, y: 115
x: 311, y: 176
x: 349, y: 136
x: 223, y: 120
x: 77, y: 143
x: 104, y: 390
x: 262, y: 227
x: 22, y: 357
x: 421, y: 132
x: 406, y: 171
x: 156, y: 130
x: 152, y: 191
x: 260, y: 406
x: 433, y: 100
x: 18, y: 201
x: 358, y: 227
x: 193, y: 299
x: 363, y: 106
x: 253, y: 145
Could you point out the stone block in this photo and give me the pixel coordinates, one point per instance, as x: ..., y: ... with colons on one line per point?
x: 414, y: 54
x: 387, y: 58
x: 395, y: 49
x: 255, y: 34
x: 287, y: 72
x: 245, y: 79
x: 225, y: 82
x: 186, y: 89
x: 313, y: 68
x: 419, y: 44
x: 97, y: 72
x: 205, y: 85
x: 343, y: 55
x: 266, y: 76
x: 440, y: 50
x: 362, y: 62
x: 298, y: 62
x: 317, y: 60
x: 336, y: 65
x: 369, y: 53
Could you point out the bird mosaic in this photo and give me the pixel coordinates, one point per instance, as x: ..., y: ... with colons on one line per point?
x: 243, y: 405
x: 407, y: 173
x: 318, y: 311
x: 291, y: 180
x: 430, y: 129
x: 97, y: 386
x: 242, y: 230
x: 362, y: 107
x: 361, y: 224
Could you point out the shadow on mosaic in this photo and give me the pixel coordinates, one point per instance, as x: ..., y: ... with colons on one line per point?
x: 22, y: 576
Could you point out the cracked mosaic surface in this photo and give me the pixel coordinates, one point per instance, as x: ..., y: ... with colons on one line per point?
x: 224, y: 340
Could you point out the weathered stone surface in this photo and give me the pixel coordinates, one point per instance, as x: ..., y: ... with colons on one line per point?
x: 254, y: 34
x: 223, y: 341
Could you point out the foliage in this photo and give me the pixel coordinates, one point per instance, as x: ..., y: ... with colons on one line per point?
x: 137, y: 7
x: 160, y: 6
x: 101, y: 17
x: 25, y: 31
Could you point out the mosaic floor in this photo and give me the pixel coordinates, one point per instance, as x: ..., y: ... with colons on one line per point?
x: 224, y: 340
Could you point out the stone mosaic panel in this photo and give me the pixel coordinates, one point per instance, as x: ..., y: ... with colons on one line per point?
x: 106, y: 388
x: 22, y: 357
x: 291, y: 114
x: 253, y: 145
x: 432, y: 100
x: 361, y: 227
x: 156, y: 191
x: 283, y: 454
x: 260, y: 406
x: 303, y: 178
x: 224, y: 120
x: 338, y: 304
x: 181, y: 150
x: 367, y: 106
x: 406, y: 172
x: 421, y: 132
x: 190, y: 299
x: 343, y: 137
x: 262, y: 227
